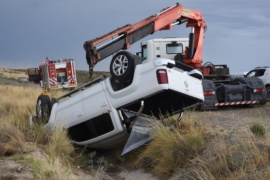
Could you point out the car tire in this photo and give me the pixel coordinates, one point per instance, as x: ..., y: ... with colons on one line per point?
x: 122, y: 66
x: 43, y: 108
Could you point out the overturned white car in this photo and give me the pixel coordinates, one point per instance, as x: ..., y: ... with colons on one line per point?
x: 102, y: 113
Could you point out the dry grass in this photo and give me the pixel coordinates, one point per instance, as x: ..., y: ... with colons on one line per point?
x: 258, y: 129
x: 19, y: 139
x: 59, y: 146
x: 12, y: 74
x: 198, y: 150
x: 172, y: 148
x: 237, y: 161
x: 12, y: 141
x: 48, y: 154
x: 17, y: 104
x: 43, y: 167
x: 231, y: 154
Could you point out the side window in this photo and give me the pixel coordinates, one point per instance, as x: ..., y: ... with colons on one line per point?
x: 260, y: 72
x: 256, y: 73
x: 174, y: 48
x: 92, y: 128
x: 144, y: 52
x: 251, y: 74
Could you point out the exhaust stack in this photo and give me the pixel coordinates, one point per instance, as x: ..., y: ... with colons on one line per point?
x: 191, y: 44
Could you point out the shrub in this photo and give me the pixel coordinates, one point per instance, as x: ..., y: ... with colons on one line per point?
x: 236, y: 161
x: 12, y: 141
x: 59, y: 144
x: 171, y: 148
x: 258, y: 129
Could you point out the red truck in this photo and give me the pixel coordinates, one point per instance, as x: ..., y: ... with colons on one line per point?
x: 54, y: 74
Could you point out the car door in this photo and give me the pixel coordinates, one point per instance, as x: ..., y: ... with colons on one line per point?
x: 70, y: 111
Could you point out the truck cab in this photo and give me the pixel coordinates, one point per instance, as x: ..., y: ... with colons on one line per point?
x: 167, y: 48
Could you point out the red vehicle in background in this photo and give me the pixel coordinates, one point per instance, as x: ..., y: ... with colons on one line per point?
x: 54, y: 74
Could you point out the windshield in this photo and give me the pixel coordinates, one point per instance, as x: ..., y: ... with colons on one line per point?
x: 256, y: 73
x: 174, y: 48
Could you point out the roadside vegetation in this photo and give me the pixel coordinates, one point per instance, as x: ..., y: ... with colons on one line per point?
x: 172, y: 148
x: 35, y: 150
x: 12, y: 74
x: 203, y: 145
x: 198, y: 150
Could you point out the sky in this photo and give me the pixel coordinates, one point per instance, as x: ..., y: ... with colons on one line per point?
x: 238, y: 31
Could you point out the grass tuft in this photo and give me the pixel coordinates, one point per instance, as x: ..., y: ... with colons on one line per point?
x: 234, y: 162
x: 38, y: 134
x: 258, y: 129
x: 12, y: 141
x: 171, y: 148
x: 59, y: 145
x: 42, y: 167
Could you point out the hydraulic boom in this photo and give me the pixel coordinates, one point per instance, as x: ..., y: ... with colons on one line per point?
x: 121, y: 38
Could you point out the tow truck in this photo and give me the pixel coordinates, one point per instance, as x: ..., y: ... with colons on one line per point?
x: 163, y: 80
x: 220, y: 88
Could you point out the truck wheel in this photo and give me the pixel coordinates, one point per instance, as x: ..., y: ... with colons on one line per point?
x: 122, y: 66
x: 43, y: 108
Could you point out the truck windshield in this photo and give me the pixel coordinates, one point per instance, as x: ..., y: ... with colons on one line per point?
x: 174, y: 48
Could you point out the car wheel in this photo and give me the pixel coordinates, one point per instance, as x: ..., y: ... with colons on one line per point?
x: 122, y: 66
x: 43, y: 108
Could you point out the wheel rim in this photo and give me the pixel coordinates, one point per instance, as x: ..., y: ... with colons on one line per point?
x: 120, y: 65
x: 39, y: 109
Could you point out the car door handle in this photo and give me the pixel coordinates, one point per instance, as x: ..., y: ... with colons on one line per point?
x: 79, y: 115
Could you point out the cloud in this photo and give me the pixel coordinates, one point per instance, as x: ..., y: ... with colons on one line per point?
x: 34, y: 29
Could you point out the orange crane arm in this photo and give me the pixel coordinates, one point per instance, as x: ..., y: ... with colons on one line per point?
x: 121, y: 38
